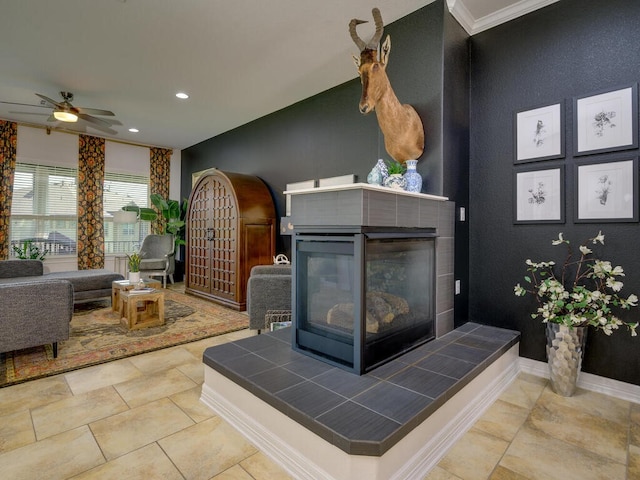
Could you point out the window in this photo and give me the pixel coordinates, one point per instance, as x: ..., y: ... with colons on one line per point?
x: 44, y: 209
x: 121, y: 190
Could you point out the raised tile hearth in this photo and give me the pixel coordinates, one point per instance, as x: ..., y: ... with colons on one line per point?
x: 320, y: 419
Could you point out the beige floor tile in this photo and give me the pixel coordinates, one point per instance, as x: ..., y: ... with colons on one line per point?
x: 194, y: 370
x: 189, y: 402
x: 240, y: 334
x: 576, y: 422
x: 537, y: 455
x: 107, y: 374
x: 501, y: 473
x: 16, y: 430
x: 206, y: 449
x: 130, y: 430
x: 162, y: 360
x: 438, y: 473
x: 633, y: 471
x: 524, y: 391
x: 474, y: 456
x: 151, y: 387
x: 197, y: 348
x: 75, y: 411
x: 234, y: 473
x: 502, y: 420
x: 33, y: 394
x: 592, y: 403
x: 147, y: 463
x: 59, y: 457
x: 635, y: 425
x: 262, y: 467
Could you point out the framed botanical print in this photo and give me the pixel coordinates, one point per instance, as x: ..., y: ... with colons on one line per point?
x: 539, y: 195
x: 539, y: 133
x: 607, y: 191
x: 606, y: 122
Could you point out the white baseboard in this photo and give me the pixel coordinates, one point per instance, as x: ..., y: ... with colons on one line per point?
x: 587, y: 381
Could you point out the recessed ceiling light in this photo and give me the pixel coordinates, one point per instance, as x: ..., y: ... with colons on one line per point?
x: 134, y: 130
x: 182, y: 95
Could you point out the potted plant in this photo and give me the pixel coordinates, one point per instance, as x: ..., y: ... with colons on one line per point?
x: 583, y: 292
x: 29, y: 251
x: 396, y: 175
x: 172, y: 215
x: 134, y: 268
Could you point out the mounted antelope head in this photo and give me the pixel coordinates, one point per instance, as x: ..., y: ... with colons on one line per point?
x: 400, y: 124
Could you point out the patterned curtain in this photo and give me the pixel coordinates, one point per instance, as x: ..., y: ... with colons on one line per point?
x: 8, y: 142
x: 160, y: 165
x: 90, y: 218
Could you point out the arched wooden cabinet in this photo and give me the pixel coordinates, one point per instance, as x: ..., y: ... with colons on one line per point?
x: 230, y: 228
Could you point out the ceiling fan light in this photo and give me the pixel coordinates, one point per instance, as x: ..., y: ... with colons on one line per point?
x: 65, y: 116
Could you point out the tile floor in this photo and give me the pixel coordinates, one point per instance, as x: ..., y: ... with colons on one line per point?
x: 141, y: 418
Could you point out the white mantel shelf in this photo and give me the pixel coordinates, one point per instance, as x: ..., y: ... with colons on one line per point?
x: 364, y: 186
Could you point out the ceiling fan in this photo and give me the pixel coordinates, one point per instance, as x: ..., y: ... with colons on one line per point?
x: 64, y: 111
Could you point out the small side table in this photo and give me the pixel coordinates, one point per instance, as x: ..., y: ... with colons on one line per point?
x: 142, y: 310
x: 119, y: 286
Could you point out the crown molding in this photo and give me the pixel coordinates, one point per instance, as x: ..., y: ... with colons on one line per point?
x: 474, y: 25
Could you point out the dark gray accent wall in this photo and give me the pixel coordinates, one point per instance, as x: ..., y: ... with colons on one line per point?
x: 326, y: 136
x: 570, y: 48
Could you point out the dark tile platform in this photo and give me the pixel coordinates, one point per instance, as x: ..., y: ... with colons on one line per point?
x: 361, y: 415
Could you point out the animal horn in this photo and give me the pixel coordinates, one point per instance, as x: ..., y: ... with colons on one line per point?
x: 377, y: 18
x: 354, y: 35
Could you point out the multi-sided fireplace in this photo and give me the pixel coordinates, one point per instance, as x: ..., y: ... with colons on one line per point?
x: 363, y: 295
x: 368, y: 291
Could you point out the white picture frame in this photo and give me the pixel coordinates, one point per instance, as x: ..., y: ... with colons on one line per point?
x: 539, y: 195
x: 607, y: 191
x: 539, y: 133
x: 606, y: 122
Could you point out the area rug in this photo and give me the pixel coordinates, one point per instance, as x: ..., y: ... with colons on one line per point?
x: 97, y: 337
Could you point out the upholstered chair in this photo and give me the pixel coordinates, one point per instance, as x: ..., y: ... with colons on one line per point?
x: 157, y: 255
x: 268, y: 290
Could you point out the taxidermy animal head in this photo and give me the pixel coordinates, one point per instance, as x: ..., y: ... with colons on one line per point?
x: 400, y: 124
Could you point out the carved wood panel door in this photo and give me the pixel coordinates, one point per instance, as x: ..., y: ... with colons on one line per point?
x: 230, y: 228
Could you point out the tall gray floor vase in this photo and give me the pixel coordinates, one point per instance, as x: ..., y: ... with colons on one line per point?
x: 565, y: 347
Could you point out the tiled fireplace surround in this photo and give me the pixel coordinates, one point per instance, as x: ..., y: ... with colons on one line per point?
x: 319, y: 421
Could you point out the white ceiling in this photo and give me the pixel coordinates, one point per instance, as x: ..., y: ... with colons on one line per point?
x: 238, y: 59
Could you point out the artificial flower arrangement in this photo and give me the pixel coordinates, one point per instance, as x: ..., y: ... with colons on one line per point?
x: 585, y: 291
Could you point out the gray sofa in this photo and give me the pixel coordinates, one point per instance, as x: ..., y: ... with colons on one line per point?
x: 268, y: 290
x: 36, y: 308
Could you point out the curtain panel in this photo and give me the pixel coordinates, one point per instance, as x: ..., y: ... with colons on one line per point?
x: 159, y: 169
x: 8, y: 143
x: 91, y: 156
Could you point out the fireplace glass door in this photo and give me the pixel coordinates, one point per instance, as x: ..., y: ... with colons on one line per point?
x: 365, y: 298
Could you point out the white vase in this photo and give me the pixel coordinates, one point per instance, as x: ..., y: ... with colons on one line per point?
x: 134, y: 278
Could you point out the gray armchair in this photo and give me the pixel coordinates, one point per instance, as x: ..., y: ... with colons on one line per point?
x: 268, y: 290
x: 157, y: 255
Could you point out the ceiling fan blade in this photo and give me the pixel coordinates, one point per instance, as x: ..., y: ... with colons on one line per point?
x: 94, y: 120
x: 51, y: 101
x: 30, y: 113
x: 97, y: 123
x: 25, y: 105
x: 96, y: 111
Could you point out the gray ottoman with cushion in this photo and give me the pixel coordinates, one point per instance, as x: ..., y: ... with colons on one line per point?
x: 88, y: 284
